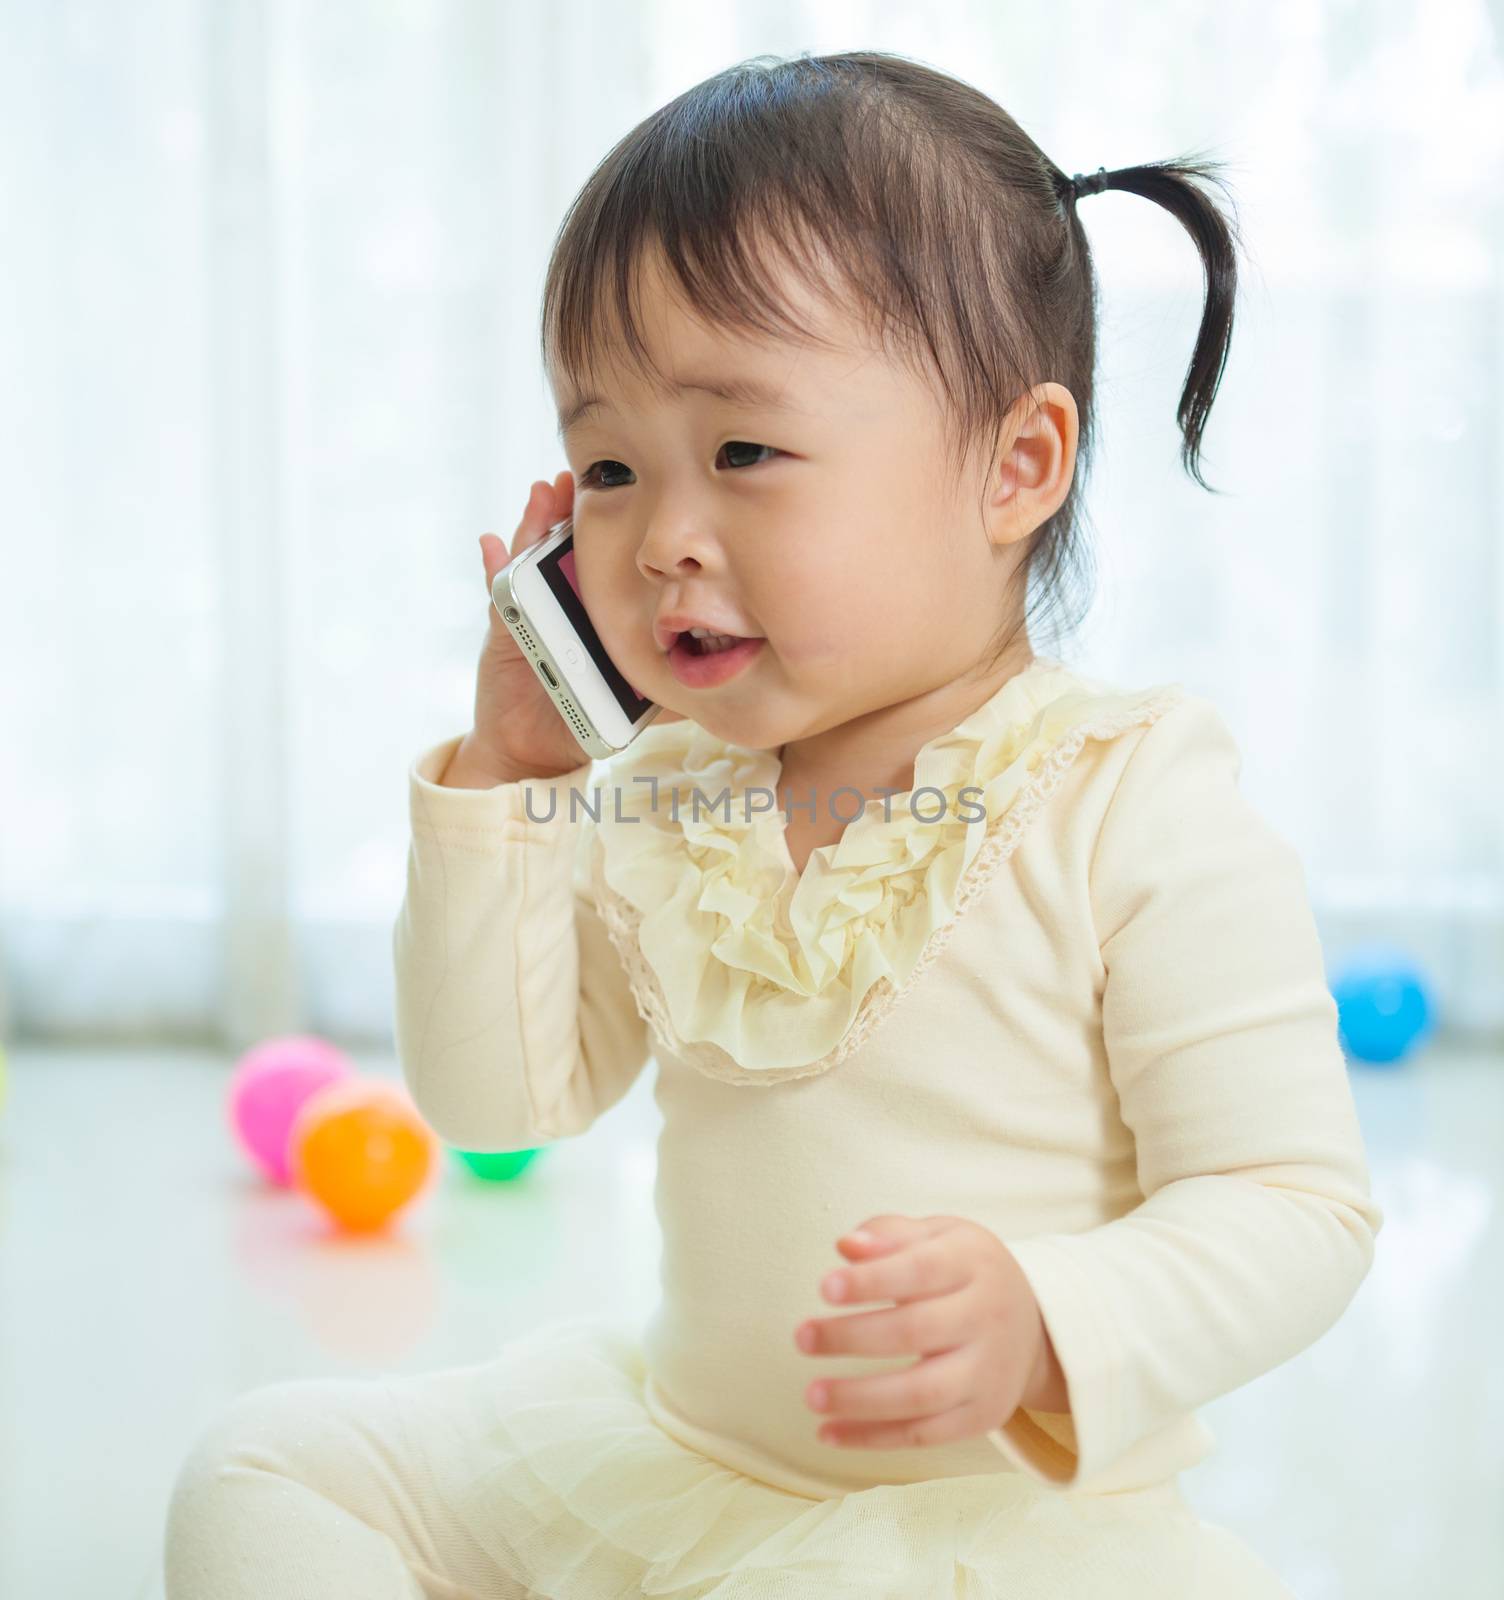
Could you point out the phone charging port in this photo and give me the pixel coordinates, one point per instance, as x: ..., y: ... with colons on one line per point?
x: 543, y: 668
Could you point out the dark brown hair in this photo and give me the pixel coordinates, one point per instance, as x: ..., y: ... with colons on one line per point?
x: 947, y: 230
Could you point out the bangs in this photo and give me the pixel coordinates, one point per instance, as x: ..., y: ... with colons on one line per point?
x: 732, y: 279
x: 755, y: 181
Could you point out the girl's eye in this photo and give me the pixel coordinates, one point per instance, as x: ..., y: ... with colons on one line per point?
x: 591, y: 477
x: 735, y: 444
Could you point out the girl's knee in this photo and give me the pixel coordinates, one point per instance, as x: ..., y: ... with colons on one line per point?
x: 285, y: 1486
x: 287, y: 1427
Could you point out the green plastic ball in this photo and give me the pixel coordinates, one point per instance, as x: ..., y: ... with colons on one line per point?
x: 496, y: 1166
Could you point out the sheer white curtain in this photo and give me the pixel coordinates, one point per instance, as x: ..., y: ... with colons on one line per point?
x: 271, y: 274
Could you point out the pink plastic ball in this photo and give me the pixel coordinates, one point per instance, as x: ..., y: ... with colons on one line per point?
x: 267, y: 1089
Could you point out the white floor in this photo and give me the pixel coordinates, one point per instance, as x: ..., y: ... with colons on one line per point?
x: 147, y: 1275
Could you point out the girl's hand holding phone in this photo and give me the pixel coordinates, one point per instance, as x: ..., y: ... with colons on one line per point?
x: 518, y: 732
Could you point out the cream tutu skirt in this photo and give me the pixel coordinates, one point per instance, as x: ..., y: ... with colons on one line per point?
x: 576, y: 1493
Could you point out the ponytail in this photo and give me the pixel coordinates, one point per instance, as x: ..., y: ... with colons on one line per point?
x: 1174, y: 185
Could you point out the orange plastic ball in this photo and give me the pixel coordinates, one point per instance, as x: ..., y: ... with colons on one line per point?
x: 361, y: 1151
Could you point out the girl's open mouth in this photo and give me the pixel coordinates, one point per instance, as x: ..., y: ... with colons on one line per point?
x: 704, y: 663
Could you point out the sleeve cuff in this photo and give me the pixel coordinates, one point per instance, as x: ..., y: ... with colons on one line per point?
x: 1058, y: 1450
x: 531, y: 808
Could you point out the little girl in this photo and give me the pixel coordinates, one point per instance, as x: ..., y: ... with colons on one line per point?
x: 1004, y: 1117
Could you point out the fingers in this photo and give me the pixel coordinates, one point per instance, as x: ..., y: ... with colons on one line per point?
x: 885, y: 1232
x: 958, y: 1422
x: 930, y: 1265
x: 922, y: 1327
x: 923, y: 1277
x: 536, y: 518
x: 547, y: 504
x: 934, y: 1384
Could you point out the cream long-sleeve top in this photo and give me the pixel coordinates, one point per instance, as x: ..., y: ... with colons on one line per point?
x: 1069, y: 987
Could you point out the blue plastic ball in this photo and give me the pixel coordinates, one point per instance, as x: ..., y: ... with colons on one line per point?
x: 1384, y: 1006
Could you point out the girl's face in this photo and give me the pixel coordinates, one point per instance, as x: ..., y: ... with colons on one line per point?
x: 821, y: 519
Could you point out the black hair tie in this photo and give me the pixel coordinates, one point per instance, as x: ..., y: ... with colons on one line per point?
x: 1080, y: 184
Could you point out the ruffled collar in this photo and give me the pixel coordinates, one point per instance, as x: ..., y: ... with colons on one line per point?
x: 754, y: 972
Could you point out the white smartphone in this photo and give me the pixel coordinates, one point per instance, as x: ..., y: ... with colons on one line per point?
x: 539, y: 599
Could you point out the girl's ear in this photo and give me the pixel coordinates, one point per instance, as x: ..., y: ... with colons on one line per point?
x: 1035, y: 465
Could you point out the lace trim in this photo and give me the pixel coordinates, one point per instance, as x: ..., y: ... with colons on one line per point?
x: 621, y: 917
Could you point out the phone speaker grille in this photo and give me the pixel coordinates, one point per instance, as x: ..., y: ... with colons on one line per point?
x: 574, y: 718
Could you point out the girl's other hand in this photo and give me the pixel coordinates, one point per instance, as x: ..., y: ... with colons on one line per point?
x: 960, y: 1292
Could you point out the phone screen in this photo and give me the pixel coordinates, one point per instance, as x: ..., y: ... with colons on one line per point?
x: 558, y: 572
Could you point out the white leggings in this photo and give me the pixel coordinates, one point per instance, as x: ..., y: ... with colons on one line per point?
x: 367, y: 1489
x: 314, y: 1487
